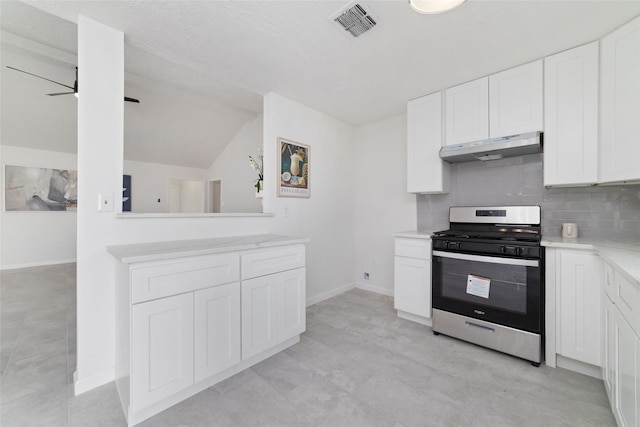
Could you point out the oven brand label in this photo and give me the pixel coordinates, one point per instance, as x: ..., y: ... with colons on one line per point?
x: 478, y: 286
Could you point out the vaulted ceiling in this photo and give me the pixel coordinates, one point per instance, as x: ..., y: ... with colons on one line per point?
x: 224, y: 55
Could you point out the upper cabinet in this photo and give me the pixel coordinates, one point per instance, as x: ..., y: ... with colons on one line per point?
x: 620, y: 104
x: 571, y: 117
x: 426, y: 172
x: 515, y: 100
x: 467, y: 112
x: 503, y: 104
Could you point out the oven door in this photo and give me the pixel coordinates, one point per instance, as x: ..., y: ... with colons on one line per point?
x: 507, y: 291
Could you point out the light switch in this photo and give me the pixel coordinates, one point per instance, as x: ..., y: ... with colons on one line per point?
x: 105, y: 202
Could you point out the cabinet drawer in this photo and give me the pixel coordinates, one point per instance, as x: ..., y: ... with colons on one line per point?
x: 158, y: 280
x: 269, y: 261
x: 609, y: 282
x: 413, y: 248
x: 627, y: 300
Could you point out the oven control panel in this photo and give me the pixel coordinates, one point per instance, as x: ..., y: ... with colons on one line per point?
x: 510, y: 250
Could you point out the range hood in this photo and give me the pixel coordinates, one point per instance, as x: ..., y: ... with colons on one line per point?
x: 493, y: 149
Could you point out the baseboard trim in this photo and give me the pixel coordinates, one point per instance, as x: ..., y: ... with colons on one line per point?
x: 376, y: 289
x: 415, y: 318
x: 330, y: 294
x: 94, y: 381
x: 36, y: 264
x: 580, y: 367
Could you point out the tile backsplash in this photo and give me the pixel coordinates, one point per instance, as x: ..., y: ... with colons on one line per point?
x: 600, y: 211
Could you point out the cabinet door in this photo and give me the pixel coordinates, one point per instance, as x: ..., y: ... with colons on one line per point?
x: 608, y: 346
x: 626, y: 400
x: 620, y: 104
x: 162, y: 349
x: 292, y: 312
x: 467, y: 112
x: 571, y: 117
x: 259, y: 315
x: 216, y: 329
x: 515, y: 100
x: 426, y: 172
x: 580, y: 278
x: 412, y: 283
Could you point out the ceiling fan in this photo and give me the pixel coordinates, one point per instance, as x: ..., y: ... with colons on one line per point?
x: 74, y: 88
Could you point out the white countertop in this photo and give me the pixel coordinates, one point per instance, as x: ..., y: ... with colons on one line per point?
x: 414, y: 234
x: 624, y: 256
x: 154, y: 251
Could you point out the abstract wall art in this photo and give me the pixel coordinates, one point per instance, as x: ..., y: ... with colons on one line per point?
x: 40, y: 189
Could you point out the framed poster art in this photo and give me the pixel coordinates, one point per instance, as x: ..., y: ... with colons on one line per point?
x: 293, y: 167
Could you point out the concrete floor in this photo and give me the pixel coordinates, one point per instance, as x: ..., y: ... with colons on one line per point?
x: 358, y: 364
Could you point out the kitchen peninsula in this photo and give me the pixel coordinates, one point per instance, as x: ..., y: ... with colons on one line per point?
x: 192, y: 313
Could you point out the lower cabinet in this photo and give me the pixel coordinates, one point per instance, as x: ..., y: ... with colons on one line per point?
x: 579, y: 279
x: 621, y: 352
x: 608, y: 346
x: 216, y: 329
x: 185, y: 324
x: 161, y: 348
x: 627, y: 379
x: 412, y: 279
x: 273, y: 308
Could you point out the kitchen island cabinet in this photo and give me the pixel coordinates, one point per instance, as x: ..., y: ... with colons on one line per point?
x: 189, y: 316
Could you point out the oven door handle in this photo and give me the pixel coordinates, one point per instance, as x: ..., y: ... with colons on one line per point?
x: 490, y: 259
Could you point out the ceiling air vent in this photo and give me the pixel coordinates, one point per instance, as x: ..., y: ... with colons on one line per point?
x: 355, y: 20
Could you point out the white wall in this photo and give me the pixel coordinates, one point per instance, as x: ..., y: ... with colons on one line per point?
x: 233, y: 170
x: 36, y: 238
x: 383, y: 205
x: 150, y: 182
x: 327, y: 217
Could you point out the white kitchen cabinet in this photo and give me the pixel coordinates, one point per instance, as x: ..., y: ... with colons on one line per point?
x: 426, y: 172
x: 216, y: 329
x: 272, y: 310
x: 579, y: 282
x: 627, y: 394
x: 503, y: 104
x: 161, y: 348
x: 620, y: 104
x: 412, y: 279
x: 515, y: 100
x: 621, y: 364
x: 467, y: 112
x: 182, y: 316
x: 608, y: 346
x: 571, y: 117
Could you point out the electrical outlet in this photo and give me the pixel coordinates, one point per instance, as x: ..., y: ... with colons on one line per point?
x: 366, y: 276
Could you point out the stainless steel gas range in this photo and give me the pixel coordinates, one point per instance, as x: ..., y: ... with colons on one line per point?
x: 488, y: 279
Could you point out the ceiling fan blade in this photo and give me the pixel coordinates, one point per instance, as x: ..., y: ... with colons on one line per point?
x: 137, y: 101
x: 40, y: 77
x: 61, y: 93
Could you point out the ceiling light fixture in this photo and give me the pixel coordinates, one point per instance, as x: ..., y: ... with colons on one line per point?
x: 434, y: 6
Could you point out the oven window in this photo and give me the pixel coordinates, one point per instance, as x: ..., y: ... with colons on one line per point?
x: 499, y: 286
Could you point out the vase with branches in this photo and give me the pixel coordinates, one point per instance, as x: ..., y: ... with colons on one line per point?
x: 257, y: 164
